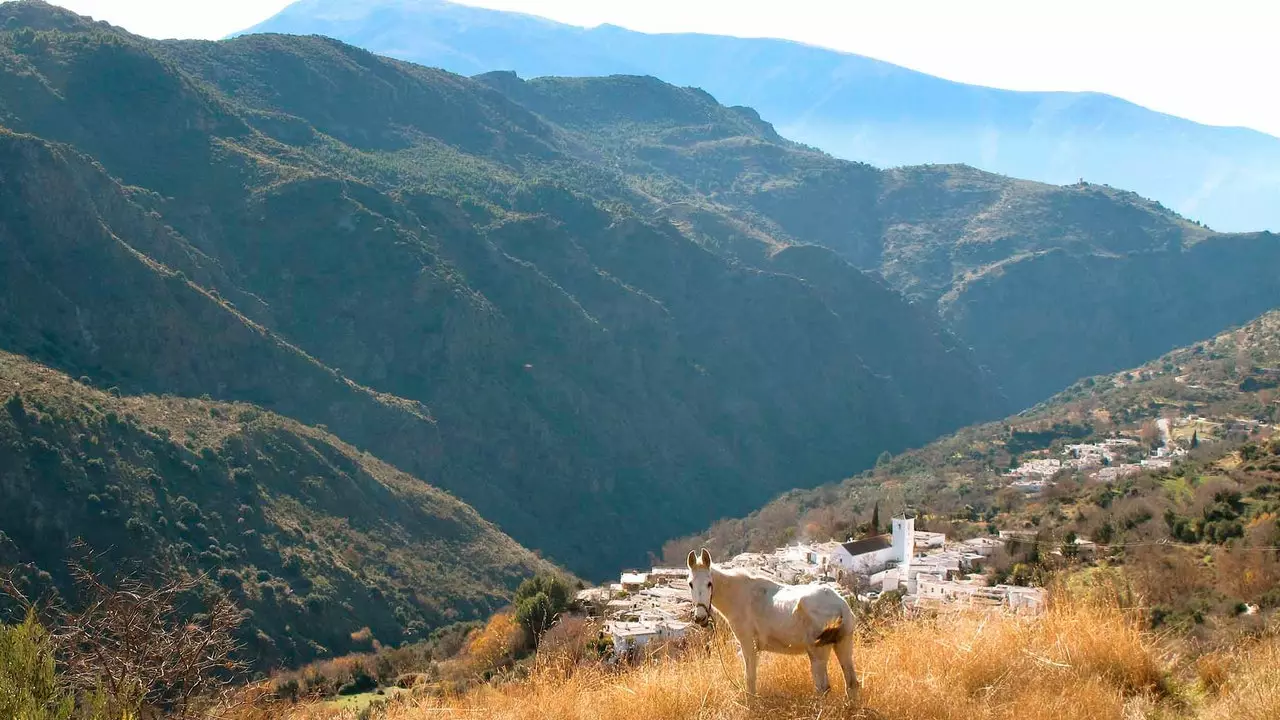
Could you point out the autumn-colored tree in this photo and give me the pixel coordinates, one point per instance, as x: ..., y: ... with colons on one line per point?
x: 1246, y: 573
x: 494, y: 646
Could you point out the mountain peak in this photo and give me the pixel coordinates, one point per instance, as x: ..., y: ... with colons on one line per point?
x: 854, y: 107
x: 40, y: 15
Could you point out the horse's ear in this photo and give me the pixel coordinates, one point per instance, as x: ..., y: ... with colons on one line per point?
x: 704, y: 557
x: 693, y: 560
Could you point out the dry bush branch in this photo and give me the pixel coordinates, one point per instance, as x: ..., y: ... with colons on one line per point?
x: 133, y: 640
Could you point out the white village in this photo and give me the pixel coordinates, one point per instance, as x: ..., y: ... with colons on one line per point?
x: 1117, y: 457
x: 927, y: 569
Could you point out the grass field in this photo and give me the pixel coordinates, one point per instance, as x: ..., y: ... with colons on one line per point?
x: 354, y: 704
x: 1085, y: 659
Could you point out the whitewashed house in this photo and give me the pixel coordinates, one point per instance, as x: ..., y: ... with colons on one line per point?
x: 631, y: 636
x: 860, y: 557
x: 634, y: 581
x: 896, y: 548
x: 932, y: 588
x: 984, y: 546
x: 929, y: 540
x: 667, y: 574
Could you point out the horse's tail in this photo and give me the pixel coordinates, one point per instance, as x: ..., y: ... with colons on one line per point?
x: 831, y: 632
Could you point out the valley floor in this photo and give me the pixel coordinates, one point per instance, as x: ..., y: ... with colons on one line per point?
x: 1086, y: 658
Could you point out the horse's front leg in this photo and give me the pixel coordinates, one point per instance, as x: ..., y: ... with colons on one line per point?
x: 750, y: 659
x: 818, y: 658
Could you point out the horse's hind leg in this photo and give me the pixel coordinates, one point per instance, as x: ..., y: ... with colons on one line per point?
x: 844, y: 653
x: 818, y: 657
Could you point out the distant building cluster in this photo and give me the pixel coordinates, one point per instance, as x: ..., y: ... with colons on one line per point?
x: 1105, y: 460
x: 642, y: 607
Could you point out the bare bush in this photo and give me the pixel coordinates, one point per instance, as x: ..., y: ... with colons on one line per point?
x: 131, y: 641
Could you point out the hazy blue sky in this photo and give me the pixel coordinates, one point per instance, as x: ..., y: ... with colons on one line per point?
x: 1214, y: 61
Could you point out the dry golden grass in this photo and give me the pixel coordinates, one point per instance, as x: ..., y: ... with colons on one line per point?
x: 1251, y: 688
x: 1085, y: 659
x: 1082, y: 660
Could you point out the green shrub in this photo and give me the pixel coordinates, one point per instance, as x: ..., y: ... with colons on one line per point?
x: 29, y: 685
x: 539, y: 601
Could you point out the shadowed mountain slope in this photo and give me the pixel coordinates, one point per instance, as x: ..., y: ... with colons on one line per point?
x: 313, y: 537
x: 1046, y: 283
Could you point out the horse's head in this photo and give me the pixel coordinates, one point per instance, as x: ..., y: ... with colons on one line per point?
x: 700, y: 585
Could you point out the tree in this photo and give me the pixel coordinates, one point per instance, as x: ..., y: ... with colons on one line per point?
x: 490, y: 648
x: 1195, y: 439
x: 1069, y: 548
x: 552, y: 585
x: 1149, y: 435
x: 539, y: 601
x: 536, y: 615
x: 875, y: 518
x: 32, y: 686
x: 1104, y: 534
x: 29, y: 684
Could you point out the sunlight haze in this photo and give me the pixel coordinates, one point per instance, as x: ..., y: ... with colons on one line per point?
x: 1203, y: 61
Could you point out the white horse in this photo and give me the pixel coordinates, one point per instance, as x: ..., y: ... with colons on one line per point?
x: 766, y: 616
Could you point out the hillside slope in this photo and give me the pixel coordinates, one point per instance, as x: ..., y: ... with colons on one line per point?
x: 1215, y: 482
x: 852, y: 106
x: 1047, y: 284
x: 439, y: 276
x: 315, y: 538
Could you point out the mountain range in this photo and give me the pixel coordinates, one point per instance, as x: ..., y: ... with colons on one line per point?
x: 596, y: 312
x: 415, y: 261
x: 849, y: 105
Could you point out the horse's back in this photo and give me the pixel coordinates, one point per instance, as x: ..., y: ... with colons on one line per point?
x: 823, y: 606
x: 795, y: 618
x: 824, y: 597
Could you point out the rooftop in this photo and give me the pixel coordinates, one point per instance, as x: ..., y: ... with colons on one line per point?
x: 868, y: 545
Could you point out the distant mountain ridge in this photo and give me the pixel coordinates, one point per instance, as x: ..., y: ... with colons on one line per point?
x: 1018, y: 270
x: 849, y: 105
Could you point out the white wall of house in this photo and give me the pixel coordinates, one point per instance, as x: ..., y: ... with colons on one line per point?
x: 629, y: 636
x: 865, y: 563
